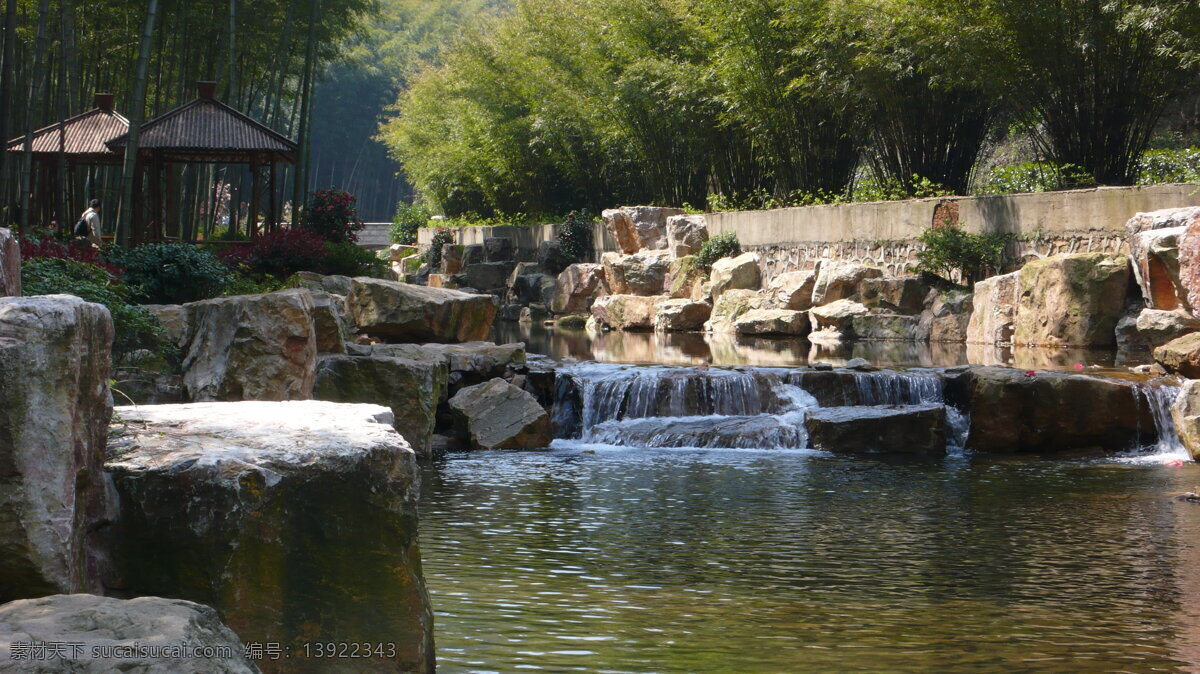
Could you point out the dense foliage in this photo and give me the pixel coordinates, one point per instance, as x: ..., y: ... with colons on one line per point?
x: 278, y: 254
x: 575, y: 237
x: 333, y: 215
x: 47, y: 247
x: 434, y: 255
x: 950, y: 249
x: 348, y: 259
x: 408, y: 220
x: 718, y: 246
x: 563, y: 104
x: 171, y: 273
x: 134, y: 327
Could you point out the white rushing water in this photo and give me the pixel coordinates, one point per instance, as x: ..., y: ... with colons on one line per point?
x: 755, y: 408
x: 1159, y: 397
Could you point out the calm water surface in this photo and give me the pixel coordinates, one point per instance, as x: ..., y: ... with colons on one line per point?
x: 749, y: 561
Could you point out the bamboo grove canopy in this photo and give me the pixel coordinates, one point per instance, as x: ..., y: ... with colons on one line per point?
x: 203, y: 130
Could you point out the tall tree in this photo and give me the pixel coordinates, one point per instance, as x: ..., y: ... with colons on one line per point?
x: 37, y: 89
x: 6, y: 96
x: 137, y: 111
x: 1093, y: 76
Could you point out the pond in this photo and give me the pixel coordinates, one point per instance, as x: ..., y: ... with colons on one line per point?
x: 588, y: 558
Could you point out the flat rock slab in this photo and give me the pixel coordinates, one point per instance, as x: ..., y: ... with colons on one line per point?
x: 94, y: 629
x: 898, y: 429
x: 411, y: 313
x: 297, y: 520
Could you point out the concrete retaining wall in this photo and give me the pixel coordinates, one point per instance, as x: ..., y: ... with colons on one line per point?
x: 884, y: 233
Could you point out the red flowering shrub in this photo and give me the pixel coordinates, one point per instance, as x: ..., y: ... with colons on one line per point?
x: 280, y: 253
x: 333, y: 215
x: 51, y: 249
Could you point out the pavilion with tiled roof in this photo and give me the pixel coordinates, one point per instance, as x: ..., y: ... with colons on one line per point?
x: 82, y: 139
x: 206, y: 130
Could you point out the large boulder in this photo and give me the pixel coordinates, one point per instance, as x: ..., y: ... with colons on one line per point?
x: 900, y: 429
x: 332, y: 284
x: 530, y: 289
x: 626, y: 312
x: 947, y: 315
x: 894, y: 295
x: 1157, y: 328
x: 1051, y: 411
x: 489, y: 275
x: 835, y: 320
x: 94, y: 635
x: 331, y: 333
x: 411, y: 388
x: 577, y: 287
x: 473, y: 362
x: 452, y: 258
x: 497, y: 249
x: 886, y: 326
x: 10, y: 264
x: 772, y: 322
x: 1181, y: 355
x: 409, y: 313
x: 551, y: 258
x: 1185, y: 412
x: 792, y: 290
x: 683, y: 276
x: 681, y: 315
x: 174, y: 319
x: 260, y: 510
x: 735, y: 273
x: 686, y: 234
x: 498, y: 415
x: 1154, y: 240
x: 639, y: 227
x: 251, y: 347
x: 55, y: 406
x: 1071, y: 300
x: 643, y: 273
x: 841, y: 280
x: 994, y: 310
x: 729, y: 307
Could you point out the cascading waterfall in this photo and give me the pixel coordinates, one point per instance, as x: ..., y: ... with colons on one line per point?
x: 1159, y: 397
x: 729, y: 408
x: 913, y: 388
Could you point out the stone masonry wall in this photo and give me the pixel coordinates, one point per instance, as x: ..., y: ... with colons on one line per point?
x: 885, y: 233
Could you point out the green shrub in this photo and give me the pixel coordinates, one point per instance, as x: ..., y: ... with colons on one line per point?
x: 349, y: 259
x: 722, y: 245
x: 408, y: 219
x: 433, y: 256
x: 134, y: 327
x: 1038, y: 176
x: 252, y: 284
x: 172, y: 273
x: 575, y: 236
x: 1169, y: 166
x: 949, y: 249
x: 891, y: 189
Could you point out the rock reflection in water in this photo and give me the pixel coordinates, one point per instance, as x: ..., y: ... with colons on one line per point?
x: 725, y: 349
